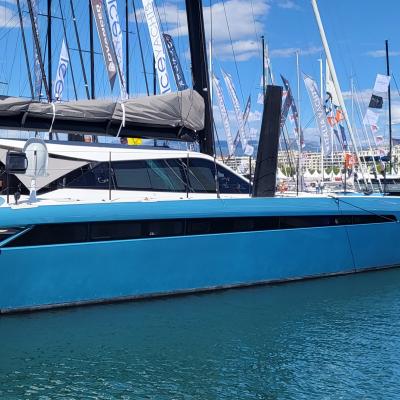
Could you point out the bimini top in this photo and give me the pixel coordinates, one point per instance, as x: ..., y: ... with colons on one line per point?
x: 175, y: 116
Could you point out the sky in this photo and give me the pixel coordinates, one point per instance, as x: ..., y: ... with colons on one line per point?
x: 356, y: 32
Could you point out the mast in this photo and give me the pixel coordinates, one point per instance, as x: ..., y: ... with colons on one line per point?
x: 201, y: 83
x: 67, y: 46
x: 38, y: 50
x: 154, y: 76
x: 390, y: 106
x: 92, y: 87
x: 321, y: 77
x: 28, y: 67
x: 79, y: 49
x: 299, y: 185
x: 127, y: 45
x: 140, y: 48
x: 336, y: 82
x: 49, y: 55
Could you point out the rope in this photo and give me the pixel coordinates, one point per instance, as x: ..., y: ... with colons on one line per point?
x: 123, y: 119
x: 362, y: 209
x: 53, y: 106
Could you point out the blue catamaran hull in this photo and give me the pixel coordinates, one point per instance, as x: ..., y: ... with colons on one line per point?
x: 46, y: 276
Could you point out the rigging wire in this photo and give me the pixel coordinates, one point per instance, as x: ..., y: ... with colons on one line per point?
x: 233, y: 51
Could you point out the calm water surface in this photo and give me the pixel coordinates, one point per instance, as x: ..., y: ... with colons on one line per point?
x: 336, y: 338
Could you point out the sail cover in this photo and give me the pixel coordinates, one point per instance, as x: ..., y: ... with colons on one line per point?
x: 169, y: 116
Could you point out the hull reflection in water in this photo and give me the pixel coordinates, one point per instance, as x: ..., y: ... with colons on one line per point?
x: 332, y: 338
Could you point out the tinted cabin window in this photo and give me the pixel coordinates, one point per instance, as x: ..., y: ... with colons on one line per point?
x: 49, y: 234
x: 201, y: 175
x: 164, y: 228
x: 52, y: 234
x: 115, y: 230
x: 152, y: 175
x: 131, y: 175
x: 231, y: 183
x: 305, y: 222
x: 6, y: 233
x: 92, y: 176
x: 166, y: 175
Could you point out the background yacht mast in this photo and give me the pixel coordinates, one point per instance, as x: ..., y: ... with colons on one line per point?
x: 336, y: 83
x: 390, y: 106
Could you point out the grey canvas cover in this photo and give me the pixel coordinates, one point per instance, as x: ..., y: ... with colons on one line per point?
x: 183, y: 109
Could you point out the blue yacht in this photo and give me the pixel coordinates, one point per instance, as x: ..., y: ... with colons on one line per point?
x: 151, y: 223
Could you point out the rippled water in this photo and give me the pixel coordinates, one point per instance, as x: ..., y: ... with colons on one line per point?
x: 336, y: 338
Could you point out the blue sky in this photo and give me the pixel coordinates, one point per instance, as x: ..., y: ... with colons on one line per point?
x: 356, y: 31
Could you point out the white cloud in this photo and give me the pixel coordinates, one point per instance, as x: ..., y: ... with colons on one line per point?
x: 245, y: 25
x: 382, y: 53
x: 291, y: 51
x: 8, y: 18
x: 255, y: 116
x: 244, y: 50
x: 288, y: 4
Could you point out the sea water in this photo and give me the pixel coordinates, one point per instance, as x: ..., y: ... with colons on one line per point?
x: 335, y: 338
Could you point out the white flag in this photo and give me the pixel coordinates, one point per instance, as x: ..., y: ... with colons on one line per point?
x: 319, y: 111
x: 330, y: 87
x: 247, y: 149
x: 61, y: 72
x: 371, y: 117
x: 116, y: 34
x: 224, y: 115
x: 381, y: 83
x: 157, y: 44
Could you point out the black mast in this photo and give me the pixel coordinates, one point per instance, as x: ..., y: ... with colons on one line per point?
x: 38, y: 50
x: 127, y: 45
x: 154, y: 77
x: 141, y: 48
x: 28, y: 67
x: 390, y: 107
x: 68, y: 50
x: 49, y: 55
x: 200, y: 77
x: 92, y: 87
x: 79, y: 50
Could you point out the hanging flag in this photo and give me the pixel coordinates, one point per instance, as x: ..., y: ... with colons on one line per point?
x: 260, y: 97
x: 375, y: 106
x: 247, y: 148
x: 175, y: 62
x: 319, y: 112
x: 371, y: 117
x: 61, y: 72
x: 349, y: 160
x: 379, y: 139
x: 108, y: 52
x: 116, y: 35
x: 285, y: 108
x: 224, y: 115
x: 295, y: 115
x: 246, y: 114
x: 376, y: 101
x: 381, y: 83
x: 330, y: 87
x: 157, y: 44
x: 36, y: 66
